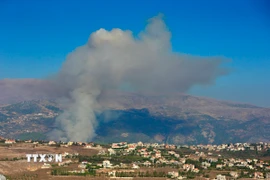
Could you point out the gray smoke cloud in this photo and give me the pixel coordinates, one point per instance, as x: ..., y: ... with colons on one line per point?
x: 114, y: 59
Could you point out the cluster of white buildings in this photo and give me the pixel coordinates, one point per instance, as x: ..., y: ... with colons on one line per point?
x: 207, y: 152
x: 154, y: 153
x: 233, y: 147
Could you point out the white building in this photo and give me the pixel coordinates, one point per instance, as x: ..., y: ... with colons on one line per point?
x: 106, y: 164
x: 135, y: 166
x: 52, y: 142
x: 111, y: 151
x: 234, y: 174
x: 10, y: 141
x: 82, y: 166
x: 173, y: 174
x: 112, y: 173
x: 221, y: 177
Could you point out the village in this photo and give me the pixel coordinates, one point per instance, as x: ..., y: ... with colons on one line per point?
x: 16, y: 123
x: 152, y: 160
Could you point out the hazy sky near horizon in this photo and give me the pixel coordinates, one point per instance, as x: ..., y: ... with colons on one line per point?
x: 36, y: 36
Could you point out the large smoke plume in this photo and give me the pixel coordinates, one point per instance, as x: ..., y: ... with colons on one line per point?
x: 115, y: 59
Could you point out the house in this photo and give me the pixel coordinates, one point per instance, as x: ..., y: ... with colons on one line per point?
x: 65, y: 154
x: 155, y: 145
x: 212, y: 160
x: 171, y: 152
x: 174, y: 162
x: 196, y: 170
x: 258, y: 175
x: 206, y: 165
x: 80, y: 143
x: 177, y: 155
x: 240, y: 148
x: 132, y: 147
x: 220, y: 177
x: 158, y: 155
x: 70, y: 143
x: 101, y: 152
x: 119, y: 145
x: 173, y: 174
x: 88, y: 146
x: 111, y: 173
x: 232, y: 160
x: 135, y: 166
x: 182, y: 160
x: 201, y: 154
x: 147, y: 163
x: 106, y: 164
x: 10, y: 141
x: 139, y: 144
x: 219, y: 166
x: 244, y: 163
x: 234, y: 174
x: 168, y: 146
x: 145, y: 154
x: 188, y: 167
x: 111, y: 151
x: 82, y: 166
x: 259, y: 165
x: 98, y: 146
x: 51, y: 143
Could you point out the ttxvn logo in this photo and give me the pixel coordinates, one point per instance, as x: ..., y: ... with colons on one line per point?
x: 44, y: 157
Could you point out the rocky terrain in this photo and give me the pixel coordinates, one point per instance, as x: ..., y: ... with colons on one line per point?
x: 181, y: 118
x: 178, y: 119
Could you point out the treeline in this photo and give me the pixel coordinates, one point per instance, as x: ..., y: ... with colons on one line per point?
x: 62, y: 172
x: 141, y: 174
x: 114, y: 159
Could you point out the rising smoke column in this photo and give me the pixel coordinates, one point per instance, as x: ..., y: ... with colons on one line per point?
x: 113, y: 58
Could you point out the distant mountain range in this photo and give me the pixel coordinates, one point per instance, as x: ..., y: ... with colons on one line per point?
x: 175, y: 118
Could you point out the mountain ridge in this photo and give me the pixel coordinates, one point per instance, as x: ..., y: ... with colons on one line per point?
x: 174, y: 118
x: 179, y: 104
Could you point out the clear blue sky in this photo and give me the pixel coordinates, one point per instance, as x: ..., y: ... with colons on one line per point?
x: 35, y: 36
